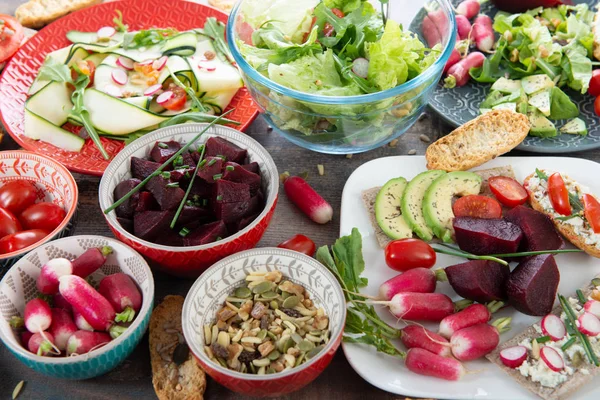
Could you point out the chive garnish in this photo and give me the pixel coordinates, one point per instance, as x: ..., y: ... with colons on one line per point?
x: 453, y: 251
x: 196, y: 198
x: 184, y: 232
x: 580, y: 296
x: 222, y: 157
x: 189, y: 203
x: 543, y: 339
x: 568, y: 344
x: 200, y: 148
x: 163, y: 145
x: 205, y: 202
x: 202, y: 163
x: 216, y: 177
x: 212, y: 162
x: 219, y: 198
x: 160, y: 169
x: 218, y: 238
x: 596, y: 281
x: 572, y: 318
x: 178, y: 161
x: 166, y: 174
x: 230, y: 168
x: 187, y: 193
x: 173, y: 185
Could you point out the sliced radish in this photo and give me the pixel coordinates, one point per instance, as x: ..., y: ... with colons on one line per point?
x: 119, y: 76
x: 552, y: 359
x: 553, y: 327
x: 113, y: 90
x: 360, y: 67
x: 160, y: 63
x: 207, y: 65
x: 593, y: 307
x: 152, y: 90
x: 514, y: 356
x: 146, y: 62
x: 589, y: 324
x: 106, y: 32
x: 125, y: 62
x: 164, y: 97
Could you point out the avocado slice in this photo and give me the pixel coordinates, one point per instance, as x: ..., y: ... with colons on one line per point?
x: 412, y: 202
x: 541, y: 101
x: 437, y: 203
x: 561, y: 106
x: 388, y: 212
x: 506, y: 106
x: 507, y: 86
x: 540, y: 125
x: 492, y: 99
x: 535, y: 83
x: 576, y: 126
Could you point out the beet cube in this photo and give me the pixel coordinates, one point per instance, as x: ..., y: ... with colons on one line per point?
x: 478, y: 280
x: 201, y: 190
x: 141, y: 169
x: 220, y: 147
x: 206, y: 234
x: 162, y: 151
x: 167, y: 197
x: 169, y: 237
x: 188, y: 160
x: 252, y: 167
x: 256, y: 205
x: 240, y: 224
x: 126, y: 209
x: 146, y: 203
x: 211, y: 169
x: 235, y: 173
x: 193, y: 214
x: 126, y: 224
x: 148, y: 225
x: 487, y: 236
x: 230, y: 200
x: 538, y: 230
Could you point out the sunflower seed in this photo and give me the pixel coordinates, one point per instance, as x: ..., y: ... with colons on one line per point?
x: 17, y: 390
x: 171, y: 330
x: 424, y: 138
x: 180, y: 338
x: 412, y: 152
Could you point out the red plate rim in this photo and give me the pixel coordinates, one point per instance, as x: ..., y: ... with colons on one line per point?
x: 23, y: 66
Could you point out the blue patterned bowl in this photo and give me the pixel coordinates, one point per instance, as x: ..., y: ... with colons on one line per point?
x: 19, y: 286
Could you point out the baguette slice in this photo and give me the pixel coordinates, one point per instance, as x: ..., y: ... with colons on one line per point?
x: 223, y: 5
x: 478, y: 141
x: 567, y: 230
x: 37, y: 13
x: 596, y: 33
x: 562, y: 391
x: 171, y: 382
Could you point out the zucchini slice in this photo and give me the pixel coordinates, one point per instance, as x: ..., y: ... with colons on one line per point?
x: 223, y: 77
x: 52, y: 102
x: 38, y: 128
x: 183, y: 44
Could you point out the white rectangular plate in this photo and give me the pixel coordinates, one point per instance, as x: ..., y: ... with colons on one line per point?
x: 484, y: 380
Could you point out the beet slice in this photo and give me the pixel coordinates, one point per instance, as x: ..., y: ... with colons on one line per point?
x: 167, y: 197
x: 162, y: 151
x: 193, y: 214
x: 220, y: 147
x: 148, y: 225
x: 206, y: 234
x: 235, y: 173
x: 169, y: 237
x: 230, y: 200
x: 141, y: 169
x: 478, y: 280
x: 126, y: 223
x: 146, y: 203
x: 252, y: 167
x: 211, y: 169
x: 538, y: 230
x: 486, y: 236
x: 126, y: 209
x: 532, y: 286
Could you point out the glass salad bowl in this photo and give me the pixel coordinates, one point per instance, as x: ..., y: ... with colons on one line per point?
x: 318, y: 99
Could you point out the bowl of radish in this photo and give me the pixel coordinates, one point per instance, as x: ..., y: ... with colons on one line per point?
x: 76, y: 307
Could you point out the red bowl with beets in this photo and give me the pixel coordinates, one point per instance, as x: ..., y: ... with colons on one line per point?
x: 206, y: 230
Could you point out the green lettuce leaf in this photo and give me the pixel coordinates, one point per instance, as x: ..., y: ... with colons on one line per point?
x: 577, y: 67
x: 346, y: 6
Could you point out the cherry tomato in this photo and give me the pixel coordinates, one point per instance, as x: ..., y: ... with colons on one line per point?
x: 405, y: 254
x: 328, y: 29
x: 45, y: 216
x: 307, y: 34
x: 597, y: 106
x: 508, y: 191
x: 594, y: 88
x: 559, y: 195
x: 338, y: 13
x: 20, y: 240
x: 177, y: 101
x: 9, y: 224
x: 591, y: 208
x: 477, y: 206
x: 299, y: 243
x: 11, y: 37
x: 86, y: 68
x: 244, y: 31
x: 16, y: 196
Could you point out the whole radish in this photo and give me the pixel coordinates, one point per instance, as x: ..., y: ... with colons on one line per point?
x: 514, y: 356
x: 463, y: 27
x: 41, y: 344
x: 478, y: 340
x: 122, y: 293
x: 88, y: 302
x: 423, y: 362
x: 47, y: 281
x: 38, y: 316
x: 62, y: 327
x: 60, y: 302
x: 453, y: 59
x: 91, y: 259
x: 415, y: 336
x: 430, y: 32
x: 483, y: 33
x: 468, y: 8
x: 472, y: 315
x: 81, y: 323
x: 420, y: 306
x: 82, y: 342
x: 25, y: 336
x: 308, y: 200
x: 416, y: 280
x: 458, y: 74
x: 593, y: 307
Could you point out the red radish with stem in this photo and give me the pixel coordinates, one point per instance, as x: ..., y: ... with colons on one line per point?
x: 552, y: 358
x: 60, y: 302
x: 430, y: 32
x: 458, y: 74
x: 38, y: 316
x: 478, y: 340
x: 81, y: 323
x: 593, y: 307
x: 472, y: 315
x: 42, y: 344
x: 420, y: 306
x: 463, y: 27
x: 514, y: 356
x: 90, y: 260
x: 589, y: 324
x: 307, y: 199
x: 82, y: 342
x: 62, y: 327
x: 360, y: 67
x: 122, y: 293
x: 415, y: 336
x: 47, y: 281
x: 553, y: 327
x: 453, y: 59
x: 426, y: 363
x: 468, y: 8
x: 25, y: 336
x: 96, y: 310
x: 416, y: 280
x: 483, y: 33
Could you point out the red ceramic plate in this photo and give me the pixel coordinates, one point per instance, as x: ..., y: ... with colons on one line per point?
x: 138, y: 14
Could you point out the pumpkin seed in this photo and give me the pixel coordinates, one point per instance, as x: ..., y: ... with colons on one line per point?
x: 315, y: 333
x: 17, y: 390
x: 262, y: 287
x: 274, y: 305
x: 291, y: 302
x: 274, y: 355
x: 300, y: 359
x: 261, y: 362
x: 261, y: 371
x: 285, y: 295
x: 252, y: 368
x: 270, y: 295
x: 289, y: 343
x: 262, y: 334
x: 222, y: 362
x: 270, y: 370
x: 297, y: 338
x: 313, y: 338
x: 181, y: 354
x: 314, y: 352
x: 306, y: 345
x: 272, y: 335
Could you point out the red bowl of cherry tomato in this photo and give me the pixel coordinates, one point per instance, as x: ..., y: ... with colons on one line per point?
x: 38, y: 201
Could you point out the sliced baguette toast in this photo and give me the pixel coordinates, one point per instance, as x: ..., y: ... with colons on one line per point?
x: 478, y: 141
x: 567, y: 230
x: 596, y: 33
x: 37, y: 13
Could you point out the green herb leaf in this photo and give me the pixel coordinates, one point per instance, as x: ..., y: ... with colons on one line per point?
x: 541, y: 175
x: 118, y: 21
x: 53, y: 70
x: 199, y: 117
x: 147, y: 38
x: 216, y: 30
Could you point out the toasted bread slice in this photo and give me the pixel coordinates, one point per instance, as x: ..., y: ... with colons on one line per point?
x: 478, y: 141
x: 567, y: 230
x: 596, y: 33
x: 172, y: 382
x: 37, y: 13
x: 223, y: 5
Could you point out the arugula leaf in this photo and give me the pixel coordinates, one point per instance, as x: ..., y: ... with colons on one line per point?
x: 147, y: 38
x: 197, y: 104
x: 347, y: 251
x: 541, y: 175
x: 490, y: 71
x: 216, y: 30
x: 118, y: 21
x: 195, y: 117
x: 53, y: 70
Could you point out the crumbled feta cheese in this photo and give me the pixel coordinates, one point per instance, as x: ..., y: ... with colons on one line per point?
x: 526, y: 343
x: 537, y: 328
x: 584, y: 371
x: 539, y: 372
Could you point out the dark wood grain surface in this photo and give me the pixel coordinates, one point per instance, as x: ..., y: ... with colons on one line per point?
x: 132, y: 379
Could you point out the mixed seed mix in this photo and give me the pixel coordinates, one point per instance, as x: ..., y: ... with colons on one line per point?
x: 266, y: 326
